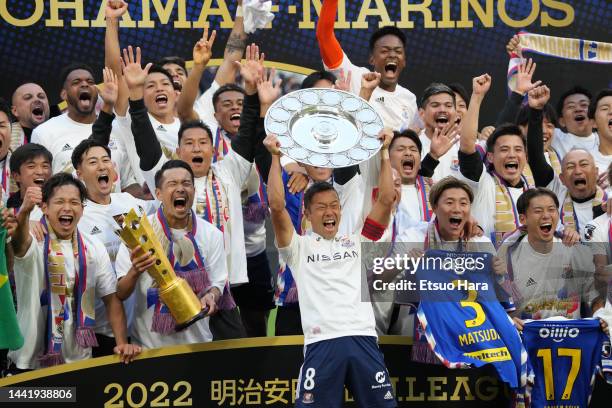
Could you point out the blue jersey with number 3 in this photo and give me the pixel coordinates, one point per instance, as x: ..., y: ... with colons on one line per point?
x: 563, y: 358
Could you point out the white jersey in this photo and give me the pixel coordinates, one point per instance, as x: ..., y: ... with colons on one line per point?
x: 599, y: 233
x: 30, y: 283
x: 329, y: 282
x: 60, y: 135
x: 99, y: 221
x: 396, y: 108
x: 167, y: 135
x: 541, y: 278
x: 210, y: 244
x: 584, y: 211
x: 564, y: 142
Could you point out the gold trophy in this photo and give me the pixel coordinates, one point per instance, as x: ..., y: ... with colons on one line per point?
x: 174, y: 291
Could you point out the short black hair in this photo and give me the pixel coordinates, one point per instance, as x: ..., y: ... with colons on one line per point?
x: 83, y: 147
x: 223, y: 89
x: 409, y: 134
x: 317, y: 187
x: 594, y: 101
x: 161, y: 70
x: 62, y: 179
x: 572, y: 91
x: 68, y: 69
x: 522, y: 204
x: 461, y: 91
x: 506, y: 129
x: 522, y: 118
x: 173, y: 60
x: 317, y: 76
x: 26, y: 152
x: 387, y: 30
x: 192, y: 124
x: 436, y: 88
x: 171, y: 164
x: 446, y: 184
x: 5, y: 107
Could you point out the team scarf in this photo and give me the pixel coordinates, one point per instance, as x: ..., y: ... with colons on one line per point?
x: 57, y: 296
x: 221, y: 145
x: 189, y: 265
x: 506, y: 214
x: 569, y: 218
x: 212, y: 207
x: 255, y: 207
x: 567, y: 48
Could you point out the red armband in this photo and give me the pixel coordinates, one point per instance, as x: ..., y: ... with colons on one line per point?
x: 372, y: 230
x: 331, y: 51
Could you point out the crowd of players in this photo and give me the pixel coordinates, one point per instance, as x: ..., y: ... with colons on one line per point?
x: 202, y: 167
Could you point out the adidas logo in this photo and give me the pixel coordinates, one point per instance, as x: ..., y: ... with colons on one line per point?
x: 530, y: 282
x: 66, y: 147
x: 95, y: 230
x: 380, y: 99
x: 388, y: 395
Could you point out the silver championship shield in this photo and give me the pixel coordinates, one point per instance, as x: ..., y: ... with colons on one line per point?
x: 325, y: 127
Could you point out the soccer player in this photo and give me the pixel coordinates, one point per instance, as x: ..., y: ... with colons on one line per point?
x: 102, y: 216
x: 600, y: 114
x: 61, y: 134
x: 396, y: 104
x: 30, y: 106
x: 218, y: 185
x: 79, y: 271
x: 576, y: 186
x: 195, y: 250
x: 327, y: 268
x: 5, y: 144
x: 548, y: 278
x: 576, y: 129
x: 437, y: 110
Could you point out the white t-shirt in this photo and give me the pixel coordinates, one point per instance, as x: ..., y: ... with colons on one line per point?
x: 599, y: 230
x: 30, y: 283
x: 484, y: 207
x: 584, y: 211
x: 231, y: 172
x: 395, y: 108
x: 540, y: 278
x: 167, y: 135
x: 409, y: 208
x: 564, y: 142
x: 203, y: 106
x: 60, y: 135
x: 210, y: 243
x: 330, y: 289
x: 98, y: 221
x: 602, y: 162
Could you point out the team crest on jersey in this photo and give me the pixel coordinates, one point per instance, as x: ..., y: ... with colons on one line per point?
x: 455, y: 164
x: 380, y: 377
x: 588, y: 232
x: 346, y: 242
x: 308, y: 398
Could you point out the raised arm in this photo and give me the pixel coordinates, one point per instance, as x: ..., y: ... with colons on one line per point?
x: 331, y: 50
x: 147, y: 146
x: 202, y: 52
x: 543, y: 172
x: 281, y: 221
x: 112, y: 50
x: 469, y: 125
x: 22, y: 239
x: 381, y: 210
x: 103, y: 126
x: 234, y: 49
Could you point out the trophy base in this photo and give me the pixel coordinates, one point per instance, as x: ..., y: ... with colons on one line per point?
x: 182, y: 326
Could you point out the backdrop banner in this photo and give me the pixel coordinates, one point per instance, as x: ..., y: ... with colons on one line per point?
x: 448, y: 40
x: 253, y: 373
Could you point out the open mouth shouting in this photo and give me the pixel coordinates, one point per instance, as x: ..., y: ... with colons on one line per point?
x: 39, y: 181
x: 580, y: 182
x: 329, y: 224
x: 455, y: 222
x: 610, y: 124
x: 66, y: 220
x: 180, y: 203
x: 86, y: 100
x: 235, y: 119
x: 390, y: 69
x: 161, y: 100
x: 546, y: 228
x: 38, y: 112
x: 407, y: 165
x: 104, y: 180
x: 197, y: 160
x: 511, y: 166
x: 580, y: 118
x: 442, y: 119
